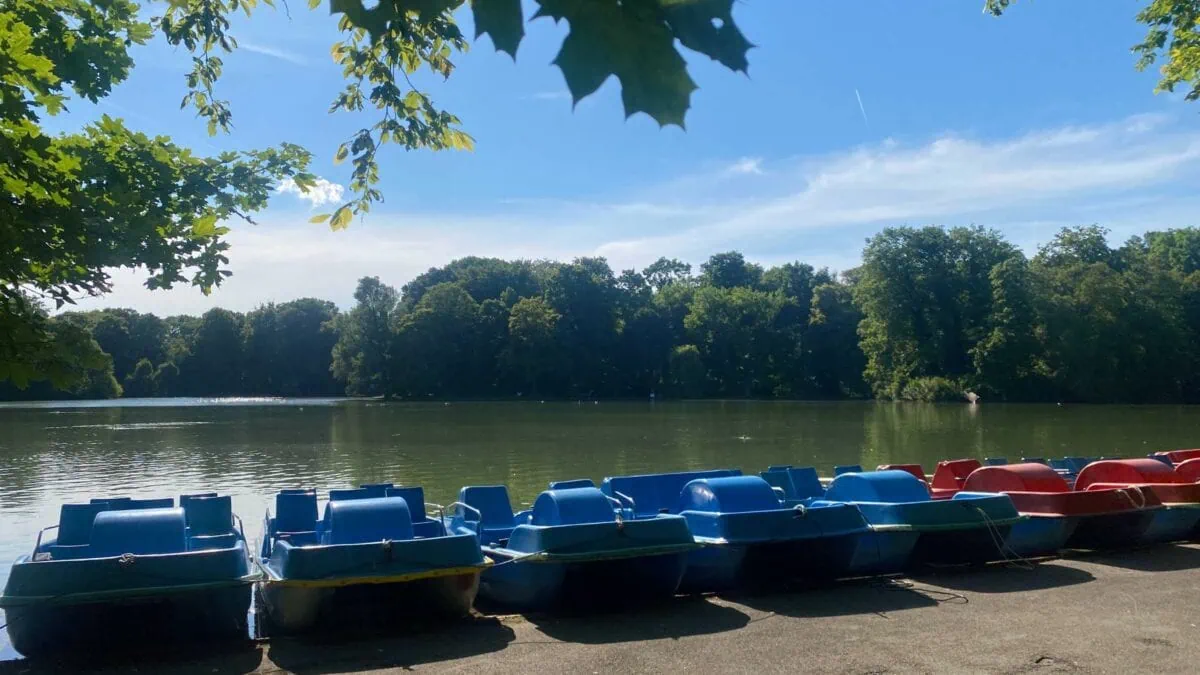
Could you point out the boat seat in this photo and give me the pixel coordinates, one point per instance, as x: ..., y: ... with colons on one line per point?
x: 346, y: 494
x: 75, y: 523
x: 495, y: 509
x: 139, y: 531
x: 807, y: 483
x: 995, y: 461
x: 846, y: 468
x: 780, y: 479
x: 377, y: 489
x: 1164, y: 459
x: 575, y: 483
x: 358, y: 521
x: 309, y: 538
x: 208, y: 516
x: 951, y: 475
x: 779, y: 467
x: 164, y: 503
x: 415, y: 496
x: 1189, y: 469
x: 296, y: 511
x: 1034, y: 460
x: 658, y: 492
x: 208, y: 542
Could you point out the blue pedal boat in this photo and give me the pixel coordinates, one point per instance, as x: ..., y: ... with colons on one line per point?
x: 373, y: 557
x: 122, y: 571
x: 747, y: 534
x: 575, y: 548
x: 968, y: 528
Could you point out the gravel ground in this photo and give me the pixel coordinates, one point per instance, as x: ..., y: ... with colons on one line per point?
x: 1129, y: 612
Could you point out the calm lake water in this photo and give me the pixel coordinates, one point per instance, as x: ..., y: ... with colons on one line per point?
x: 56, y: 452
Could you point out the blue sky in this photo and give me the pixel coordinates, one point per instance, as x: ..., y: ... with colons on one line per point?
x: 1025, y: 123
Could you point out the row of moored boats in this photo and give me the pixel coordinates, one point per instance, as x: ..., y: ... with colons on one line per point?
x: 120, y: 568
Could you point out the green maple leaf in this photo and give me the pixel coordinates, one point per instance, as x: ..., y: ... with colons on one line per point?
x: 502, y: 21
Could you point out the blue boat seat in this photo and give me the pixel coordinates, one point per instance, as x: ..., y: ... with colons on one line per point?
x: 208, y: 516
x: 847, y: 468
x: 572, y: 506
x: 377, y: 489
x: 164, y: 503
x: 575, y: 483
x: 779, y: 467
x: 995, y: 461
x: 75, y: 523
x: 296, y: 511
x: 891, y: 487
x: 1035, y: 460
x: 806, y: 482
x: 731, y: 494
x: 1162, y: 458
x: 495, y: 510
x: 780, y: 478
x: 346, y: 494
x: 209, y: 542
x: 139, y: 531
x: 658, y: 492
x: 415, y: 496
x: 358, y: 521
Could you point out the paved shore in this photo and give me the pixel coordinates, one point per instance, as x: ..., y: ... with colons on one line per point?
x: 1131, y: 611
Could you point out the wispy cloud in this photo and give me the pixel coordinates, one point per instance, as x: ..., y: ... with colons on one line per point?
x: 274, y: 52
x: 862, y: 109
x: 1130, y: 175
x: 324, y: 192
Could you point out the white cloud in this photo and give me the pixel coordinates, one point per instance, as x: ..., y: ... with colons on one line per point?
x: 274, y: 52
x: 1130, y: 175
x: 324, y: 192
x: 746, y: 165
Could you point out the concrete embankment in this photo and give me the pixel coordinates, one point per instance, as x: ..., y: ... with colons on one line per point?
x: 1134, y: 611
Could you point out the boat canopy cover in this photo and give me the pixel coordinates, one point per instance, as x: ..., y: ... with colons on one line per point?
x: 1178, y: 456
x: 914, y: 469
x: 139, y: 531
x: 657, y: 492
x: 1189, y: 470
x: 730, y: 494
x: 356, y: 521
x: 572, y: 506
x: 1141, y: 471
x: 1026, y: 477
x: 888, y: 487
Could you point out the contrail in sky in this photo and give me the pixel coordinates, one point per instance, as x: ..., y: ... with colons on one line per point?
x: 862, y: 109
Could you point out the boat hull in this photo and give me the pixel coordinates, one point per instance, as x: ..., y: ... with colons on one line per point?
x: 724, y: 566
x: 583, y: 584
x: 1040, y: 536
x: 298, y: 607
x: 180, y: 617
x: 963, y: 546
x: 1172, y: 523
x: 883, y: 552
x: 1111, y: 530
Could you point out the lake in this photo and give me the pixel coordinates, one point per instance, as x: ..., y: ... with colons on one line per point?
x: 70, y: 451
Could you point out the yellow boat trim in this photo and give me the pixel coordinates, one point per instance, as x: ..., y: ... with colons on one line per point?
x: 341, y: 582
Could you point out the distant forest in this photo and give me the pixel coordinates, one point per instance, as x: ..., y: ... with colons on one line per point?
x: 931, y: 313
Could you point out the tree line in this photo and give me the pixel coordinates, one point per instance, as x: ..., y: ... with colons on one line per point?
x: 930, y: 314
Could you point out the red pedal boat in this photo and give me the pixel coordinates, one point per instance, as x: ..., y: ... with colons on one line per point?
x: 1180, y: 497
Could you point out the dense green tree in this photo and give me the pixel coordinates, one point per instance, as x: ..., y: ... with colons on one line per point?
x: 214, y: 362
x: 687, y: 372
x: 140, y: 382
x: 436, y: 350
x: 747, y: 339
x: 666, y: 271
x: 534, y: 355
x: 361, y: 354
x: 833, y: 360
x: 289, y: 347
x: 730, y: 270
x: 584, y: 295
x: 1009, y: 359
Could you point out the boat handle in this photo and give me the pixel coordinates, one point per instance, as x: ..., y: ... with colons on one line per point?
x: 241, y: 528
x: 468, y: 508
x: 38, y: 544
x: 627, y: 498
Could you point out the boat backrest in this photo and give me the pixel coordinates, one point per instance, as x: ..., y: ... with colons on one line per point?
x: 572, y: 506
x: 658, y: 492
x: 1035, y: 460
x: 846, y: 468
x: 889, y: 487
x: 1189, y: 469
x: 1177, y: 456
x: 495, y: 509
x: 1141, y: 471
x: 139, y: 531
x: 995, y: 461
x: 731, y: 494
x: 952, y: 474
x: 915, y: 469
x: 376, y: 489
x: 75, y: 523
x: 1024, y: 477
x: 574, y: 483
x: 296, y: 511
x: 780, y: 478
x: 207, y: 516
x: 359, y: 521
x: 779, y: 467
x: 414, y: 495
x: 1164, y: 459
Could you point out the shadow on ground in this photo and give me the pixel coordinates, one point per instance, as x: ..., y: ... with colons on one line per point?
x: 1005, y: 578
x: 682, y: 617
x: 235, y: 659
x: 1163, y: 558
x: 439, y: 642
x: 874, y: 596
